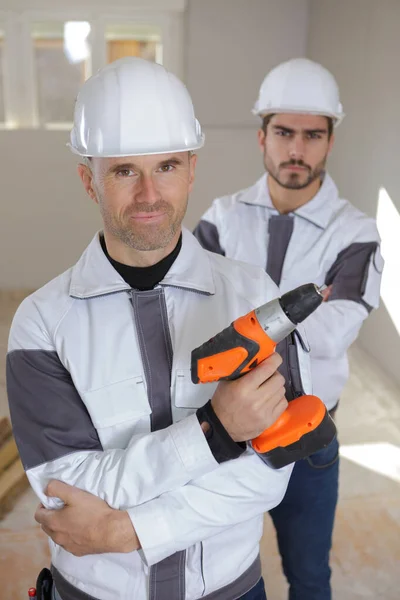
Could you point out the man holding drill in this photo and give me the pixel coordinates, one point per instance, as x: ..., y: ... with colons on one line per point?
x: 158, y: 494
x: 293, y: 224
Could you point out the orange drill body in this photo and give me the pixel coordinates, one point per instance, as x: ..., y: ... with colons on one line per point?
x: 216, y: 366
x: 305, y: 426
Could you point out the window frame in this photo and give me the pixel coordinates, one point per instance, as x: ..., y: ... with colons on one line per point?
x: 19, y: 80
x: 10, y: 80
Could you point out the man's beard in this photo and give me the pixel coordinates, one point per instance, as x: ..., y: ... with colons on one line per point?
x: 144, y: 236
x: 293, y: 182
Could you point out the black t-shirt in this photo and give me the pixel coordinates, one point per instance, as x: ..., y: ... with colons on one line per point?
x: 144, y: 278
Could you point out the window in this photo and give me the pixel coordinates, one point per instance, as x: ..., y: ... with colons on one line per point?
x: 47, y: 54
x: 61, y: 63
x: 143, y: 41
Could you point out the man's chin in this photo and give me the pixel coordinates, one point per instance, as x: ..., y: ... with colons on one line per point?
x: 295, y: 182
x: 150, y: 238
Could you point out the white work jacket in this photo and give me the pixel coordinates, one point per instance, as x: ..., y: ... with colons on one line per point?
x: 326, y: 241
x: 86, y: 377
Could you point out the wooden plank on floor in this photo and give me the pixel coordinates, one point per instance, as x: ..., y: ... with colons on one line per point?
x: 13, y: 482
x: 5, y: 429
x: 8, y: 454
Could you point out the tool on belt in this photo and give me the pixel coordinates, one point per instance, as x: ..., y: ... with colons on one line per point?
x: 305, y: 426
x: 44, y: 586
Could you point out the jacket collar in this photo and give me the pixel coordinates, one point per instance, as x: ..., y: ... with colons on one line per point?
x: 318, y: 210
x: 93, y: 275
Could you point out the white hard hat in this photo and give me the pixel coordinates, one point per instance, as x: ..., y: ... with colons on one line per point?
x: 134, y: 107
x: 300, y: 86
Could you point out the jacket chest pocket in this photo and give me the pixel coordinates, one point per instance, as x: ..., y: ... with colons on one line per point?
x: 118, y: 411
x: 187, y: 396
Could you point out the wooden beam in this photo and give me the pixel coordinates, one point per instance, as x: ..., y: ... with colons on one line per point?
x: 8, y: 454
x: 13, y: 482
x: 5, y: 429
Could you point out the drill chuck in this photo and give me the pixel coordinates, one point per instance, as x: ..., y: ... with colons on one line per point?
x: 280, y: 317
x: 252, y: 338
x: 299, y: 303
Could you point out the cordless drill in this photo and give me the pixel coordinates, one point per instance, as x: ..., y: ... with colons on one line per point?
x: 305, y: 426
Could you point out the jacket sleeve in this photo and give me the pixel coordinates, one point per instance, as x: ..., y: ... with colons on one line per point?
x: 355, y: 279
x: 207, y: 231
x: 56, y: 437
x: 238, y: 491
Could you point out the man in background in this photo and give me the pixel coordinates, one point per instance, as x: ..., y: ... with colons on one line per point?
x: 293, y: 223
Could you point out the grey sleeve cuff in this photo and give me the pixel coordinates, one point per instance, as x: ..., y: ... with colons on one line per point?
x: 222, y: 446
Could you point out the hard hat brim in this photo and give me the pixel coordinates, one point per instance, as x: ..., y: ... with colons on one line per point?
x: 143, y: 152
x: 337, y: 117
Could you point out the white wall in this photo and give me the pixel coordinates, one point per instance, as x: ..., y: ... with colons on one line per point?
x: 231, y: 45
x: 54, y: 4
x: 46, y: 219
x: 359, y: 41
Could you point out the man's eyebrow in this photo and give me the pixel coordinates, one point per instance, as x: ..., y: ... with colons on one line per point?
x: 175, y: 161
x: 308, y: 131
x: 316, y: 130
x: 283, y: 128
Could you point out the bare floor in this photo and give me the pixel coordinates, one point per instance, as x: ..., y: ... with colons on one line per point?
x: 366, y: 549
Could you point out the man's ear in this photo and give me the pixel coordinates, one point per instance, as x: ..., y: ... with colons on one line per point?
x: 261, y: 139
x: 192, y: 170
x: 331, y: 142
x: 86, y: 176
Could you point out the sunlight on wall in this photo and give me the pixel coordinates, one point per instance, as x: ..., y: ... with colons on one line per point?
x: 388, y: 219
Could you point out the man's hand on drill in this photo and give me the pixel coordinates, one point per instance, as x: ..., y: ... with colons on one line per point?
x: 252, y: 403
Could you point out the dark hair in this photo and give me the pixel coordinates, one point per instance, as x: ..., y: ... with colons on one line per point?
x: 267, y: 119
x: 265, y: 122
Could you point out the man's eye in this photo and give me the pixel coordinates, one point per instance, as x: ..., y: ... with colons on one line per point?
x: 314, y: 136
x: 125, y: 173
x: 166, y: 168
x: 283, y: 133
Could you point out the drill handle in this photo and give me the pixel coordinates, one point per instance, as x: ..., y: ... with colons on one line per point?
x: 233, y: 352
x: 224, y: 356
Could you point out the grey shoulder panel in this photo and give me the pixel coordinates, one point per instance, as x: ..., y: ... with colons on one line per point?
x: 349, y: 273
x: 48, y: 416
x: 208, y: 236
